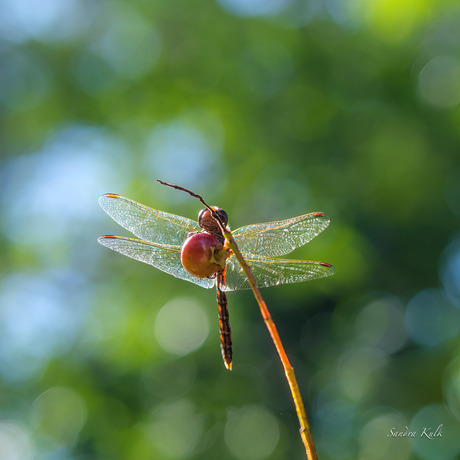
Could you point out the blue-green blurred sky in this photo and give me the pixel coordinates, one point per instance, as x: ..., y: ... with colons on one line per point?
x: 269, y: 109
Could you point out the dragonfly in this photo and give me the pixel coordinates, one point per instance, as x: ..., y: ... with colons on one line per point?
x: 160, y: 237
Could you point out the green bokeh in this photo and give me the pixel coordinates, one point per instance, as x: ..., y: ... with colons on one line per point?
x: 269, y: 110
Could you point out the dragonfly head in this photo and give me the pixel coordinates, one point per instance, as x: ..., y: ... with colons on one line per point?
x: 208, y: 223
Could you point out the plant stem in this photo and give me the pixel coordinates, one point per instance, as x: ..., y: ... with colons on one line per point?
x: 305, y: 432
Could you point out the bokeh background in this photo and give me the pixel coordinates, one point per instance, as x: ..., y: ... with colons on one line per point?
x: 269, y: 109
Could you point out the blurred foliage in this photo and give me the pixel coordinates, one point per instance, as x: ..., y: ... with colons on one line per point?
x: 270, y: 110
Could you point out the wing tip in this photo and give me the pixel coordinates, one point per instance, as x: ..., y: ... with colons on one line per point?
x: 323, y: 217
x: 108, y: 195
x: 331, y: 267
x: 103, y: 239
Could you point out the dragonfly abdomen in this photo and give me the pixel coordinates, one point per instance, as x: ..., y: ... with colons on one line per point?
x: 224, y: 323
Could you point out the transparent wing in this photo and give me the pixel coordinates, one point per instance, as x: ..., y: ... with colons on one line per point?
x: 162, y: 256
x: 272, y: 272
x: 273, y: 239
x: 147, y: 223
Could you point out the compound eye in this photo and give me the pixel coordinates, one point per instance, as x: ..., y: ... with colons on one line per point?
x: 223, y: 216
x: 201, y: 215
x: 205, y: 219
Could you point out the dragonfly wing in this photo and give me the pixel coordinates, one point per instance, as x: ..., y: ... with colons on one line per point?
x: 272, y: 272
x: 162, y: 256
x: 273, y: 239
x: 147, y: 223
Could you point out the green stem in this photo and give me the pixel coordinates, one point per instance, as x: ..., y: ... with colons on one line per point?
x: 305, y: 432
